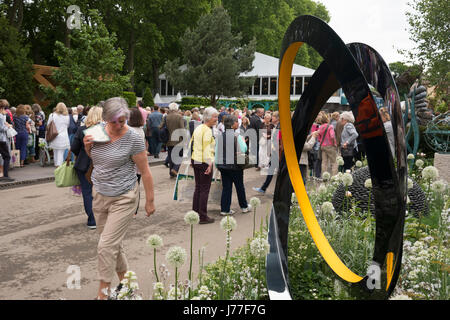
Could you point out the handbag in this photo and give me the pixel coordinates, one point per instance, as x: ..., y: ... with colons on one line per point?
x: 65, y: 175
x: 318, y: 151
x: 15, y: 156
x: 50, y: 132
x: 215, y: 191
x: 11, y: 132
x: 164, y: 132
x: 184, y: 185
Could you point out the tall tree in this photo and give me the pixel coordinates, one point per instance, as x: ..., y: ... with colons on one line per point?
x: 267, y: 21
x: 16, y: 77
x: 214, y: 59
x: 90, y: 70
x: 430, y: 29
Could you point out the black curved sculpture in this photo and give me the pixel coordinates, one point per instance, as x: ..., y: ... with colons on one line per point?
x: 351, y: 67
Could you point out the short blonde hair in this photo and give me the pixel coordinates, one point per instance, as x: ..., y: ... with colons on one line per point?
x: 61, y: 109
x: 94, y: 116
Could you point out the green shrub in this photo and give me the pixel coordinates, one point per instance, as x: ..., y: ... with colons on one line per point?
x: 198, y: 101
x: 130, y: 97
x: 148, y: 98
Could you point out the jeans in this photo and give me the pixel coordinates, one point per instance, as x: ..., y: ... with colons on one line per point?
x: 201, y: 192
x: 154, y: 144
x: 172, y: 165
x: 86, y: 191
x: 228, y: 178
x: 4, y: 151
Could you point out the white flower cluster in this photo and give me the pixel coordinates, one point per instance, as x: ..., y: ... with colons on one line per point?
x: 192, y: 217
x: 347, y: 179
x: 176, y: 256
x: 203, y: 294
x: 340, y: 161
x: 154, y: 241
x: 327, y: 207
x: 254, y: 202
x: 439, y: 186
x: 419, y: 163
x: 259, y: 247
x: 129, y: 287
x: 368, y: 183
x: 430, y: 173
x: 228, y: 223
x: 326, y: 176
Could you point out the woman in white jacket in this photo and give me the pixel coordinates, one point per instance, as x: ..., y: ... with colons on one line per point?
x: 61, y: 119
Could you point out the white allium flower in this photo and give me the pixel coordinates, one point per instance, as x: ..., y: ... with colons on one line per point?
x: 438, y: 186
x: 326, y: 176
x: 158, y: 286
x: 368, y: 183
x: 327, y: 207
x: 322, y: 189
x: 129, y: 274
x: 348, y: 194
x: 430, y: 173
x: 293, y: 197
x: 340, y: 161
x: 228, y: 223
x: 254, y: 202
x: 176, y: 256
x: 400, y: 297
x: 154, y: 241
x: 358, y: 164
x: 410, y: 183
x: 192, y: 217
x: 410, y: 156
x: 419, y: 163
x: 259, y: 247
x: 347, y: 179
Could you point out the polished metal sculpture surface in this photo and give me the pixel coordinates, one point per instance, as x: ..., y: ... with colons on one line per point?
x: 351, y: 68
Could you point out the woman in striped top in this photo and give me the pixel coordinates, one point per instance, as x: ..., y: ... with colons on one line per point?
x: 115, y: 188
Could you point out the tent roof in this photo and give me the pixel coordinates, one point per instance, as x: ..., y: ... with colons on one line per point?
x: 264, y: 65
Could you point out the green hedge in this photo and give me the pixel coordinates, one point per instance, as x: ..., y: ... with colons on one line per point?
x: 199, y: 101
x: 130, y: 97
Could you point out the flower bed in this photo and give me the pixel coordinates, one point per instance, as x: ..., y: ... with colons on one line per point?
x: 241, y: 274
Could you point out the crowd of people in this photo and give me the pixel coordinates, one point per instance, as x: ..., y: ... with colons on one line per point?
x: 110, y: 173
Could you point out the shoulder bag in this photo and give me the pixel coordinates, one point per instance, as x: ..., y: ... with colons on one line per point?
x: 50, y: 132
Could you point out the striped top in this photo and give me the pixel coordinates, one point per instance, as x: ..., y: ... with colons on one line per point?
x: 114, y: 170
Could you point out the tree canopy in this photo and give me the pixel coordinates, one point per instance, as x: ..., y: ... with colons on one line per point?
x: 149, y: 32
x: 214, y: 58
x: 430, y: 28
x: 90, y: 70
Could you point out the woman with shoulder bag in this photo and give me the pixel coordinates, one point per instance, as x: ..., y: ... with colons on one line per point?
x: 231, y: 171
x: 83, y: 162
x: 348, y: 139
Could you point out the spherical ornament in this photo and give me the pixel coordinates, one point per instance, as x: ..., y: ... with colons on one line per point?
x: 360, y: 193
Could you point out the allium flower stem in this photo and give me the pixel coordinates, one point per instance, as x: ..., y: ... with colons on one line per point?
x: 224, y: 265
x: 190, y: 264
x: 176, y: 283
x: 154, y: 264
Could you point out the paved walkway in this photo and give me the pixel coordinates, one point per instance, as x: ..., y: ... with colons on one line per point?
x: 34, y: 173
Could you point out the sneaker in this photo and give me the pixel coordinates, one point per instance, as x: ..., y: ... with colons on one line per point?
x: 6, y: 179
x: 173, y: 173
x: 92, y: 227
x: 227, y: 213
x: 206, y: 220
x: 259, y: 190
x: 248, y: 209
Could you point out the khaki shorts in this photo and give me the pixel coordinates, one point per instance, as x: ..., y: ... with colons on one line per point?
x: 113, y: 216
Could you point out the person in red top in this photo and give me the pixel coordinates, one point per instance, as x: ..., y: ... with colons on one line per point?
x: 328, y: 146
